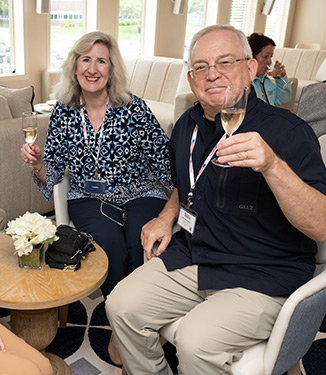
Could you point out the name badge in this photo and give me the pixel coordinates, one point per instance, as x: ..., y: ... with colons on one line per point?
x: 187, y: 219
x: 95, y: 186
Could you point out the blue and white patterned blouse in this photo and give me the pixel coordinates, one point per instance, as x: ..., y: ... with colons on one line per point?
x: 133, y: 157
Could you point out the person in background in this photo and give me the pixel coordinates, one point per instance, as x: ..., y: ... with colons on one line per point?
x: 311, y: 106
x: 276, y: 90
x: 248, y: 232
x: 3, y: 219
x: 114, y: 149
x: 17, y: 357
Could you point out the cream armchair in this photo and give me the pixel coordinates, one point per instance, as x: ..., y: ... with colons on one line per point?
x: 60, y: 193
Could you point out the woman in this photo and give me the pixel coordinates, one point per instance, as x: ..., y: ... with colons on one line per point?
x: 274, y: 91
x: 17, y: 357
x: 115, y: 151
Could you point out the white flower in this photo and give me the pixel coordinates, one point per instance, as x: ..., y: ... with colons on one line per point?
x: 22, y: 246
x: 30, y: 230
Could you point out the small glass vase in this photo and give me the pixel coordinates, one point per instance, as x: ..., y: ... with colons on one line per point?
x: 34, y: 259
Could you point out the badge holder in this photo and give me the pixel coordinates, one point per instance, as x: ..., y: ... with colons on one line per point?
x: 93, y: 186
x: 187, y: 218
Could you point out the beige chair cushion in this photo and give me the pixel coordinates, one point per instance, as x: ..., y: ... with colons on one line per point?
x: 163, y: 113
x: 321, y: 74
x: 4, y: 109
x: 19, y: 100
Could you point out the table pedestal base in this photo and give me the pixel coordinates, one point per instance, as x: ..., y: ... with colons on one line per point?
x: 59, y: 366
x: 38, y: 328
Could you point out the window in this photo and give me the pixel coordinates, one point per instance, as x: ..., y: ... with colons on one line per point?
x: 130, y: 27
x: 243, y: 14
x: 6, y: 37
x: 66, y: 27
x: 276, y: 22
x: 195, y: 21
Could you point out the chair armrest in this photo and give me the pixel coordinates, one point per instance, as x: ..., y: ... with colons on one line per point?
x: 290, y: 105
x: 296, y: 325
x: 60, y: 193
x: 182, y: 102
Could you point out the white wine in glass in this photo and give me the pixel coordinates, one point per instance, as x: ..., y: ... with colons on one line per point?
x: 233, y: 112
x: 275, y: 71
x: 29, y: 124
x: 232, y: 118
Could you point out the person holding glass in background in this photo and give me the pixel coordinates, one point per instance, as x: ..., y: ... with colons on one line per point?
x: 248, y: 232
x: 114, y: 148
x: 271, y: 82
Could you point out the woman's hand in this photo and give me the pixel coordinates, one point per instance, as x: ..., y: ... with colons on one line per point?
x: 280, y: 68
x: 31, y: 154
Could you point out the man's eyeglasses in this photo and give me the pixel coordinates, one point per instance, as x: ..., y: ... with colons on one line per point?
x: 200, y: 71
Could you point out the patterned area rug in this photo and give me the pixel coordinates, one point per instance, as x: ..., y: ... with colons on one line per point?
x: 83, y: 344
x: 313, y: 362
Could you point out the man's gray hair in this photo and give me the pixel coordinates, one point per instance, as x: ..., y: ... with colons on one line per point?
x: 242, y: 38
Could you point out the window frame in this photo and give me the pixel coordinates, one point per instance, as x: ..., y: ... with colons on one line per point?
x: 11, y: 68
x: 279, y: 18
x: 248, y: 16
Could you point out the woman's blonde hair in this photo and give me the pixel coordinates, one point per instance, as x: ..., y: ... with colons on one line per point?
x: 68, y: 90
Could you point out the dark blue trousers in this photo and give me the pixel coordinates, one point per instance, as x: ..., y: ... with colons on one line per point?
x: 121, y: 243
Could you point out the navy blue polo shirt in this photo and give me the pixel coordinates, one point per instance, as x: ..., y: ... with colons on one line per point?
x: 242, y: 238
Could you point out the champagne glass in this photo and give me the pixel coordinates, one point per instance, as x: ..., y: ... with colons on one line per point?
x: 233, y: 112
x: 275, y: 71
x: 29, y: 123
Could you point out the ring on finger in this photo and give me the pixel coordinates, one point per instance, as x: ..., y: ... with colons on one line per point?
x: 247, y: 156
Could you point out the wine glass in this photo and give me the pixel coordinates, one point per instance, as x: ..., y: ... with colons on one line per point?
x: 275, y: 70
x: 233, y: 112
x: 29, y: 124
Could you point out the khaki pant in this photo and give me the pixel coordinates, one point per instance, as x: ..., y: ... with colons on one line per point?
x: 20, y: 358
x: 217, y: 326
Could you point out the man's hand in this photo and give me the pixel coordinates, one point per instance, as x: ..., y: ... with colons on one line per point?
x: 156, y: 230
x: 247, y: 150
x: 160, y: 228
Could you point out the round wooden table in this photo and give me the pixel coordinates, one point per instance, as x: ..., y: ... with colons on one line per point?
x: 35, y: 295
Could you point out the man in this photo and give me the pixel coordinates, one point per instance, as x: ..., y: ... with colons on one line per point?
x: 250, y: 242
x: 311, y: 106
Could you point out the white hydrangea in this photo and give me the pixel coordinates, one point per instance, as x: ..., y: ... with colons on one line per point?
x: 30, y: 230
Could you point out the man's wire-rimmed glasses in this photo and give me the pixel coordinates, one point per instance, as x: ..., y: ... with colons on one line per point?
x: 200, y: 71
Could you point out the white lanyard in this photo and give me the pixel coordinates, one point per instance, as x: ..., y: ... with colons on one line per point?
x: 86, y: 138
x: 193, y: 181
